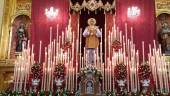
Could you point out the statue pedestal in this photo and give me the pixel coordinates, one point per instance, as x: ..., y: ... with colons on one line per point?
x: 90, y: 84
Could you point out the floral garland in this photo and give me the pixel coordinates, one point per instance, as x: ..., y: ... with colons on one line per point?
x: 94, y: 71
x: 144, y: 71
x: 121, y: 72
x: 36, y: 71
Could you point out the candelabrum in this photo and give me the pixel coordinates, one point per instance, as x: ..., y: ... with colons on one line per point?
x: 59, y: 83
x: 35, y: 84
x: 121, y: 84
x: 145, y: 85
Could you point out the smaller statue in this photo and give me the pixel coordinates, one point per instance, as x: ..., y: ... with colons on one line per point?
x: 22, y: 38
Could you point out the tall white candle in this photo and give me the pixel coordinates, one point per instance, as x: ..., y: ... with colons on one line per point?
x: 76, y: 75
x: 40, y: 52
x: 57, y: 33
x: 131, y: 29
x: 143, y: 50
x: 73, y: 78
x: 51, y: 34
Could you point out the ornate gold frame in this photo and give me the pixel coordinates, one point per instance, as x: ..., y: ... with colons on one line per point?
x: 13, y: 8
x: 162, y: 6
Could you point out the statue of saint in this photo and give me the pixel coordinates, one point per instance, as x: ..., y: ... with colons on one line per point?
x: 92, y: 34
x: 22, y: 38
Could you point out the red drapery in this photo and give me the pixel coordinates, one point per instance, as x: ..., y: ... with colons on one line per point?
x: 74, y: 24
x: 144, y: 25
x: 109, y: 24
x: 41, y: 24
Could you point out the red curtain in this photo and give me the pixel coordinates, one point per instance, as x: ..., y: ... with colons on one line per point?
x: 144, y: 25
x: 41, y: 24
x: 74, y: 23
x: 109, y: 24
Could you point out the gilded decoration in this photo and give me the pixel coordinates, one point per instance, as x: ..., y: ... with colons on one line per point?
x: 162, y: 6
x: 92, y: 5
x: 13, y: 8
x: 23, y: 8
x: 9, y: 11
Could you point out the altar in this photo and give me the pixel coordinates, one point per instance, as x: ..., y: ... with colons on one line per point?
x: 87, y: 48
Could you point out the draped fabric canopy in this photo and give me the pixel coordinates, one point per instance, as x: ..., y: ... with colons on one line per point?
x: 143, y: 25
x: 41, y: 24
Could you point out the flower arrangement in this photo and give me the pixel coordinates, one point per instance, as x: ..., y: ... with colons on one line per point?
x: 36, y: 71
x: 144, y: 71
x: 59, y: 71
x: 91, y: 70
x: 121, y: 72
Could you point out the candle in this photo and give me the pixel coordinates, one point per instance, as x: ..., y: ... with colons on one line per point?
x: 117, y: 33
x: 50, y: 35
x: 94, y: 59
x: 80, y: 48
x: 62, y: 38
x: 103, y: 74
x: 109, y: 44
x: 105, y: 41
x: 73, y: 45
x: 57, y: 33
x: 67, y: 75
x: 101, y: 57
x: 137, y: 58
x: 143, y: 47
x: 110, y: 78
x: 69, y: 78
x: 128, y: 73
x: 77, y: 50
x: 126, y: 38
x: 131, y: 33
x: 121, y: 37
x: 76, y: 74
x: 113, y: 72
x: 40, y: 52
x: 73, y: 79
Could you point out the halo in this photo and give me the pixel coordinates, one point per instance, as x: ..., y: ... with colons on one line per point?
x: 91, y: 19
